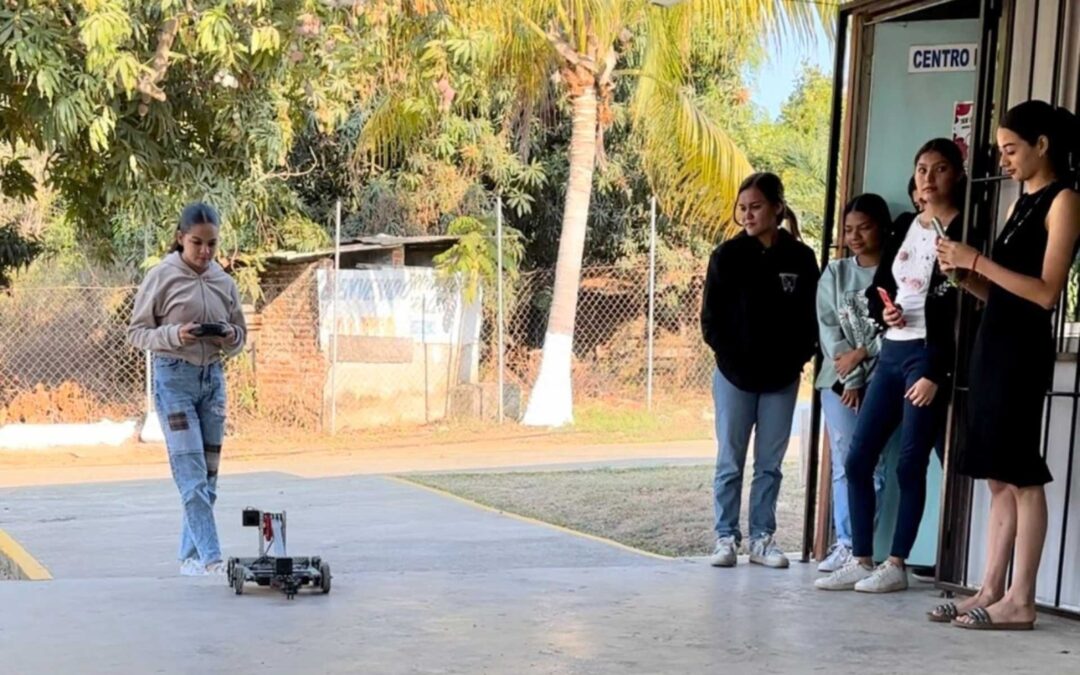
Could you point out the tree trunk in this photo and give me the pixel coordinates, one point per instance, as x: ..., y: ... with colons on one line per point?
x: 551, y: 401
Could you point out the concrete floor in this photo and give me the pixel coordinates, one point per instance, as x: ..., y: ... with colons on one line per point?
x: 424, y: 584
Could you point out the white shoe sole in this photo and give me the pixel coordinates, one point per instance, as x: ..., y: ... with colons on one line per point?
x: 885, y: 589
x: 845, y: 587
x: 780, y: 565
x: 715, y: 562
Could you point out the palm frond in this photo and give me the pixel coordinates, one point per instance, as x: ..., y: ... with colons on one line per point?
x: 694, y: 167
x: 392, y: 129
x: 693, y: 164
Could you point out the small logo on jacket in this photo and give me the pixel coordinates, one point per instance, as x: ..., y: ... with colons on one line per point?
x: 787, y: 281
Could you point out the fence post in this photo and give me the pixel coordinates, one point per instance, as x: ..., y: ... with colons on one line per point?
x: 150, y: 419
x: 499, y: 285
x: 652, y: 300
x: 333, y: 319
x: 149, y: 387
x: 423, y: 341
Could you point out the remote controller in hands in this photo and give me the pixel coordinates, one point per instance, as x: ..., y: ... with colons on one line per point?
x: 209, y: 330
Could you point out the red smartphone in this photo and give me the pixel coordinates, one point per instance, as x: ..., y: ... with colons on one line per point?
x: 885, y: 298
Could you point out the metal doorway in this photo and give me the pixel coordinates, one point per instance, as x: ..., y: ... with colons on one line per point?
x: 1027, y: 49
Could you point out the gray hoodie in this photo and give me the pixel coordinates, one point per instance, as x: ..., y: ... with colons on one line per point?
x: 173, y: 294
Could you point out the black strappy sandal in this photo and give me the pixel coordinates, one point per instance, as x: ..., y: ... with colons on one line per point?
x: 946, y: 613
x: 979, y: 619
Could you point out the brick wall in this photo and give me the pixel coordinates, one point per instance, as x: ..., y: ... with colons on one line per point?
x: 290, y: 370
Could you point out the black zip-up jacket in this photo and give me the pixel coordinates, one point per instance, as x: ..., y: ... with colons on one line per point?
x: 758, y: 312
x: 941, y: 298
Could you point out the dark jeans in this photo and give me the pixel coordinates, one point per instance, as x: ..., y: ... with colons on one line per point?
x: 885, y: 407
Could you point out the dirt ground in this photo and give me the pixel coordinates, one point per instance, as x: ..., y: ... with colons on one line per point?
x: 438, y: 446
x: 515, y: 447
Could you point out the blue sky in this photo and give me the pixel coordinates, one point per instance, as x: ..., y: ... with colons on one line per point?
x: 772, y: 84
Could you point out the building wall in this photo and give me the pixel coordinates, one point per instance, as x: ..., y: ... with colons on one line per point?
x: 290, y: 370
x: 908, y: 109
x: 402, y: 343
x: 414, y: 391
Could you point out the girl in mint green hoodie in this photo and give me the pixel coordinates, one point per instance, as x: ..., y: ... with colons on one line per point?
x: 849, y: 344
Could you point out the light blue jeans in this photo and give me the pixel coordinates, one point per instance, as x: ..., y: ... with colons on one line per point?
x: 191, y: 407
x: 840, y: 423
x: 769, y: 416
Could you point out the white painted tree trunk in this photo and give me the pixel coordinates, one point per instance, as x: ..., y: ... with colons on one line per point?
x: 551, y: 401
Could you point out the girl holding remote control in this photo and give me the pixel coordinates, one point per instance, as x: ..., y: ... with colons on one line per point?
x: 913, y: 300
x: 1012, y: 363
x: 188, y: 313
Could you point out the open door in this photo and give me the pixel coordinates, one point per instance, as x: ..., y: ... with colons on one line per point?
x: 906, y: 71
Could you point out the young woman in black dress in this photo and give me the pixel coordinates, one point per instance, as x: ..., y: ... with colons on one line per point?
x: 1012, y: 362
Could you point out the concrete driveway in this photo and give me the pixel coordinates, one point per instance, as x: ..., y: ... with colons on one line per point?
x: 426, y: 584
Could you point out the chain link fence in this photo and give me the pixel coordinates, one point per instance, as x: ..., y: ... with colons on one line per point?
x: 64, y: 355
x: 611, y: 334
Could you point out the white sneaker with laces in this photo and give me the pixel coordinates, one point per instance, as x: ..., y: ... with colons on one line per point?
x: 838, y: 556
x: 216, y: 569
x: 192, y: 568
x: 887, y: 578
x: 726, y: 553
x: 764, y: 551
x: 845, y: 578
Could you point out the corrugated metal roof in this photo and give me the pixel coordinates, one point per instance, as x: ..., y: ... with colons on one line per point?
x: 378, y: 242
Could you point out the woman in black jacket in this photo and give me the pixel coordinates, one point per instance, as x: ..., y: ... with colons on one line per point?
x: 758, y: 316
x: 909, y: 387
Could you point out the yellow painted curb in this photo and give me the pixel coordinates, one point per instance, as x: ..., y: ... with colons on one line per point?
x: 527, y: 519
x: 21, y: 564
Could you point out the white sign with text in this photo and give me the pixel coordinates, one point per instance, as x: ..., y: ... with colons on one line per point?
x: 942, y: 58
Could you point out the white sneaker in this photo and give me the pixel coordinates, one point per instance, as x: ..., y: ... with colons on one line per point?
x: 192, y: 568
x: 887, y: 578
x: 216, y: 569
x: 726, y: 553
x: 764, y: 551
x: 845, y: 578
x: 838, y: 556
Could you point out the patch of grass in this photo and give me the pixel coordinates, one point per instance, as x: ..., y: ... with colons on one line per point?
x: 666, y: 510
x: 668, y: 420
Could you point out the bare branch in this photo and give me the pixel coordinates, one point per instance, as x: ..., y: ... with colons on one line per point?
x: 285, y: 175
x: 148, y: 84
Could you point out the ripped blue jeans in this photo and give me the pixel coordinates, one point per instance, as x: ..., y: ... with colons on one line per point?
x: 190, y: 404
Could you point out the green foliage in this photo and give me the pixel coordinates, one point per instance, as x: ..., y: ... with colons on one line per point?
x: 473, y: 260
x: 144, y: 105
x: 415, y: 113
x: 15, y: 181
x: 16, y: 251
x: 796, y: 148
x: 436, y: 139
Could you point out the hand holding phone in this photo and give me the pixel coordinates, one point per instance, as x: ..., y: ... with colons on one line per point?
x: 884, y: 295
x: 950, y: 273
x: 936, y: 224
x: 893, y: 315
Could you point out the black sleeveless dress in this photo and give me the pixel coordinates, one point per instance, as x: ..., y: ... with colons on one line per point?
x: 1012, y: 363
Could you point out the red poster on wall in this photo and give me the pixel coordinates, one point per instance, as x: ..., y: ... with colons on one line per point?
x: 963, y: 112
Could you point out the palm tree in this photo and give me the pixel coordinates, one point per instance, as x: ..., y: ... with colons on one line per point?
x: 575, y: 46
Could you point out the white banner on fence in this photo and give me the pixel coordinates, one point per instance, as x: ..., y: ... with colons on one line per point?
x: 396, y: 302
